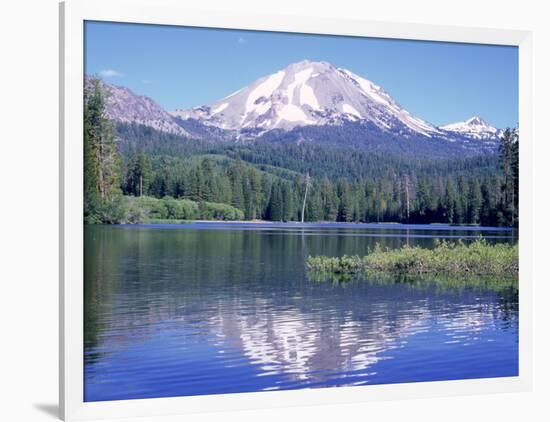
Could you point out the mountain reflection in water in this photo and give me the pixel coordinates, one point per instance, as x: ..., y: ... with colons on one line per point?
x: 207, y: 309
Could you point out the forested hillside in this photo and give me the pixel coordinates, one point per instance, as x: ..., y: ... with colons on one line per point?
x: 267, y: 180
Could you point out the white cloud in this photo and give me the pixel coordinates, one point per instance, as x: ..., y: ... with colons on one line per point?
x: 241, y: 40
x: 110, y: 73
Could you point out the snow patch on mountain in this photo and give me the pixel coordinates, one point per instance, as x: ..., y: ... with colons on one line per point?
x: 257, y: 101
x: 293, y: 113
x: 307, y: 97
x: 350, y: 110
x: 220, y: 108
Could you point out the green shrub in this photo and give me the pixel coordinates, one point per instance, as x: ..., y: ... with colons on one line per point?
x: 143, y: 209
x: 152, y: 207
x: 215, y: 211
x: 100, y: 211
x: 476, y: 258
x: 180, y: 209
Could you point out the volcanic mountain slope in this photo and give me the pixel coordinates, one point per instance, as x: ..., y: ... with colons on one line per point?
x: 309, y: 94
x: 321, y: 103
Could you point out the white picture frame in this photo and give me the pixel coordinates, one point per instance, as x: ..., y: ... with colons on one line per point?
x: 73, y: 14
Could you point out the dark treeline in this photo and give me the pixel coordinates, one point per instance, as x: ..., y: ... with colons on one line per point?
x: 268, y: 181
x: 414, y: 197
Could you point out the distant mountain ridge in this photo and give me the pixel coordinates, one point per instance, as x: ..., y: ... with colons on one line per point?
x: 310, y: 102
x: 474, y: 128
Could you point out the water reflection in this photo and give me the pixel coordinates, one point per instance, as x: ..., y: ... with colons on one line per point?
x: 180, y: 312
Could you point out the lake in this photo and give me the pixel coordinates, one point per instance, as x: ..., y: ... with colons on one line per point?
x: 212, y: 308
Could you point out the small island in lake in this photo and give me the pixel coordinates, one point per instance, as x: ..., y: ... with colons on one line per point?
x: 458, y: 259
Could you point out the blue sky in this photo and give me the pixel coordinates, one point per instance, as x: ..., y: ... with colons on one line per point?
x: 185, y: 67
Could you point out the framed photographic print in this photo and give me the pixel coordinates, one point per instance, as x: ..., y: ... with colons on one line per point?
x: 263, y: 210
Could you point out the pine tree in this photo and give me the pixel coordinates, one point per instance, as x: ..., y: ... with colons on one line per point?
x: 461, y: 209
x: 345, y: 210
x: 329, y: 200
x: 139, y: 175
x: 207, y: 180
x: 194, y: 185
x: 509, y: 161
x: 265, y: 201
x: 474, y: 202
x: 276, y: 203
x: 449, y: 202
x: 370, y: 200
x: 224, y: 190
x: 288, y: 202
x: 425, y: 197
x: 314, y: 207
x: 91, y: 183
x: 102, y: 164
x: 99, y: 135
x: 255, y: 183
x: 236, y: 176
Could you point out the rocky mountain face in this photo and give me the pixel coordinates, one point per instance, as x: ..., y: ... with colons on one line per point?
x: 124, y: 106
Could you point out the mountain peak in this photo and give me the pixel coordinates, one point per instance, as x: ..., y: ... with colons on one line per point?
x: 316, y: 65
x: 474, y: 127
x: 309, y: 93
x: 475, y: 121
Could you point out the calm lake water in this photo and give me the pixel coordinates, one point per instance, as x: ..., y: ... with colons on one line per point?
x: 224, y: 308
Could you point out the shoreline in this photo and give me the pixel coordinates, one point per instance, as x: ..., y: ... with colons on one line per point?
x: 389, y: 225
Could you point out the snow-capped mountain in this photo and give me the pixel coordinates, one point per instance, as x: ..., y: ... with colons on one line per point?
x: 474, y: 128
x: 313, y: 102
x: 310, y: 94
x: 123, y: 105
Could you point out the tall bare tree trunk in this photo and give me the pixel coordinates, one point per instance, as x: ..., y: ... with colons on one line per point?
x: 513, y: 205
x: 305, y: 197
x: 100, y: 175
x: 407, y: 196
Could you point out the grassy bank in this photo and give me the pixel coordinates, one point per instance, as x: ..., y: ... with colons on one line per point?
x: 146, y: 209
x: 456, y: 259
